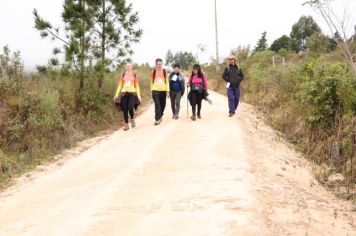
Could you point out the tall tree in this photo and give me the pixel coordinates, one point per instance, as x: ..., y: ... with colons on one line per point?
x: 169, y: 57
x: 262, y: 43
x: 301, y: 32
x: 338, y: 23
x: 319, y: 43
x: 11, y: 64
x: 282, y: 42
x: 77, y: 18
x: 184, y: 59
x: 114, y: 31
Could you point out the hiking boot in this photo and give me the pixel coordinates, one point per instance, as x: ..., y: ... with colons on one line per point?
x: 126, y: 127
x: 193, y: 117
x: 199, y: 116
x: 133, y: 123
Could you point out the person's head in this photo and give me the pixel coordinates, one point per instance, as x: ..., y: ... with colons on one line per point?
x: 197, y: 71
x: 176, y: 68
x: 232, y: 60
x: 128, y: 67
x: 159, y: 63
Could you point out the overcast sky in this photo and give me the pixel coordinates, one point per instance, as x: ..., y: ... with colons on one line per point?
x: 176, y: 25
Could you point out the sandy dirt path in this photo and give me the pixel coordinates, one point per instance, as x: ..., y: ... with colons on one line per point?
x: 215, y: 176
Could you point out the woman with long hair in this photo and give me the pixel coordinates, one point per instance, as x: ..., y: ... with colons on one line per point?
x: 128, y: 95
x: 198, y: 88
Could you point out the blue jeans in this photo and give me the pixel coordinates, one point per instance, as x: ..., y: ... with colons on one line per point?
x: 233, y: 95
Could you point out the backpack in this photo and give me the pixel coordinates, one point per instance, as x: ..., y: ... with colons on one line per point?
x: 197, y: 86
x: 154, y: 75
x: 123, y: 75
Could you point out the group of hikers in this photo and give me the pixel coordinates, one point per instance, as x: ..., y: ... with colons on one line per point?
x: 172, y: 85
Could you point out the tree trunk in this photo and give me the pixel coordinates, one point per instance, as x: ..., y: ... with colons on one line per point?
x: 82, y: 48
x: 103, y: 39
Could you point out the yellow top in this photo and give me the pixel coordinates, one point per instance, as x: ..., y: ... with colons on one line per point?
x: 128, y: 83
x: 160, y: 83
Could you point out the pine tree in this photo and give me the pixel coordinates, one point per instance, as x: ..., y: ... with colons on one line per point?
x: 262, y: 43
x: 77, y: 18
x: 114, y: 30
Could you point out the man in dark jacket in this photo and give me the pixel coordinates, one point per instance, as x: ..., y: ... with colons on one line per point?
x: 233, y: 75
x: 177, y: 88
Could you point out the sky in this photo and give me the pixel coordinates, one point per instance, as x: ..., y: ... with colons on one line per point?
x: 179, y: 25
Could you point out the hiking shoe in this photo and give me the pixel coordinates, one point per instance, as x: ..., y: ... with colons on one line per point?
x: 133, y: 123
x: 126, y: 127
x: 177, y: 117
x: 231, y: 114
x: 199, y: 116
x: 193, y: 117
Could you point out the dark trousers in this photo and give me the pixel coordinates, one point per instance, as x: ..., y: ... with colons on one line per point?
x: 127, y: 106
x: 159, y: 98
x: 196, y: 99
x: 233, y: 95
x: 175, y: 102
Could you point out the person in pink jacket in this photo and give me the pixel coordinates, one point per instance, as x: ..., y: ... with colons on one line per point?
x: 198, y: 88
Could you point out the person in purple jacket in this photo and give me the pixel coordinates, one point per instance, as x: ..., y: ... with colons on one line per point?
x: 233, y: 76
x: 198, y: 88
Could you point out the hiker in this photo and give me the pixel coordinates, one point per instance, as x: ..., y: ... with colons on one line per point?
x: 233, y: 75
x: 128, y: 96
x: 159, y: 88
x: 198, y: 89
x: 177, y: 88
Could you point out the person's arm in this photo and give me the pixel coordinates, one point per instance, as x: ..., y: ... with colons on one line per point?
x: 137, y: 87
x: 242, y: 76
x: 119, y: 87
x: 182, y: 82
x: 167, y: 83
x: 151, y: 80
x: 225, y: 75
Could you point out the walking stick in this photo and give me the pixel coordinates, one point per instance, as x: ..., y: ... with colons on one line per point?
x: 187, y: 102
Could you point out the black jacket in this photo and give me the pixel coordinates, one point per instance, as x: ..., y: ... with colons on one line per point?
x: 233, y: 75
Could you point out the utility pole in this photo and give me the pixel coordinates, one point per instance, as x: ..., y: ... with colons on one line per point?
x: 216, y: 37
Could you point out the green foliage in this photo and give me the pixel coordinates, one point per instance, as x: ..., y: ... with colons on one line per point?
x: 241, y: 53
x: 184, y: 59
x: 302, y: 31
x: 261, y: 44
x: 319, y: 43
x: 11, y: 65
x: 284, y: 42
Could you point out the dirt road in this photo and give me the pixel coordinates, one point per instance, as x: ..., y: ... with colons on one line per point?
x: 215, y: 176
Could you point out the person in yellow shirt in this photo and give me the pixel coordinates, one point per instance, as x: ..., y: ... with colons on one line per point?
x: 128, y: 93
x: 159, y: 89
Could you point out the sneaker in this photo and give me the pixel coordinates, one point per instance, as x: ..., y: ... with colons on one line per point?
x: 126, y: 127
x: 157, y: 122
x: 193, y: 117
x: 231, y: 114
x: 133, y: 123
x: 199, y: 116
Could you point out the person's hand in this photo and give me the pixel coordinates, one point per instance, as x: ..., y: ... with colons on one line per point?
x: 168, y: 95
x: 116, y: 97
x: 139, y: 99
